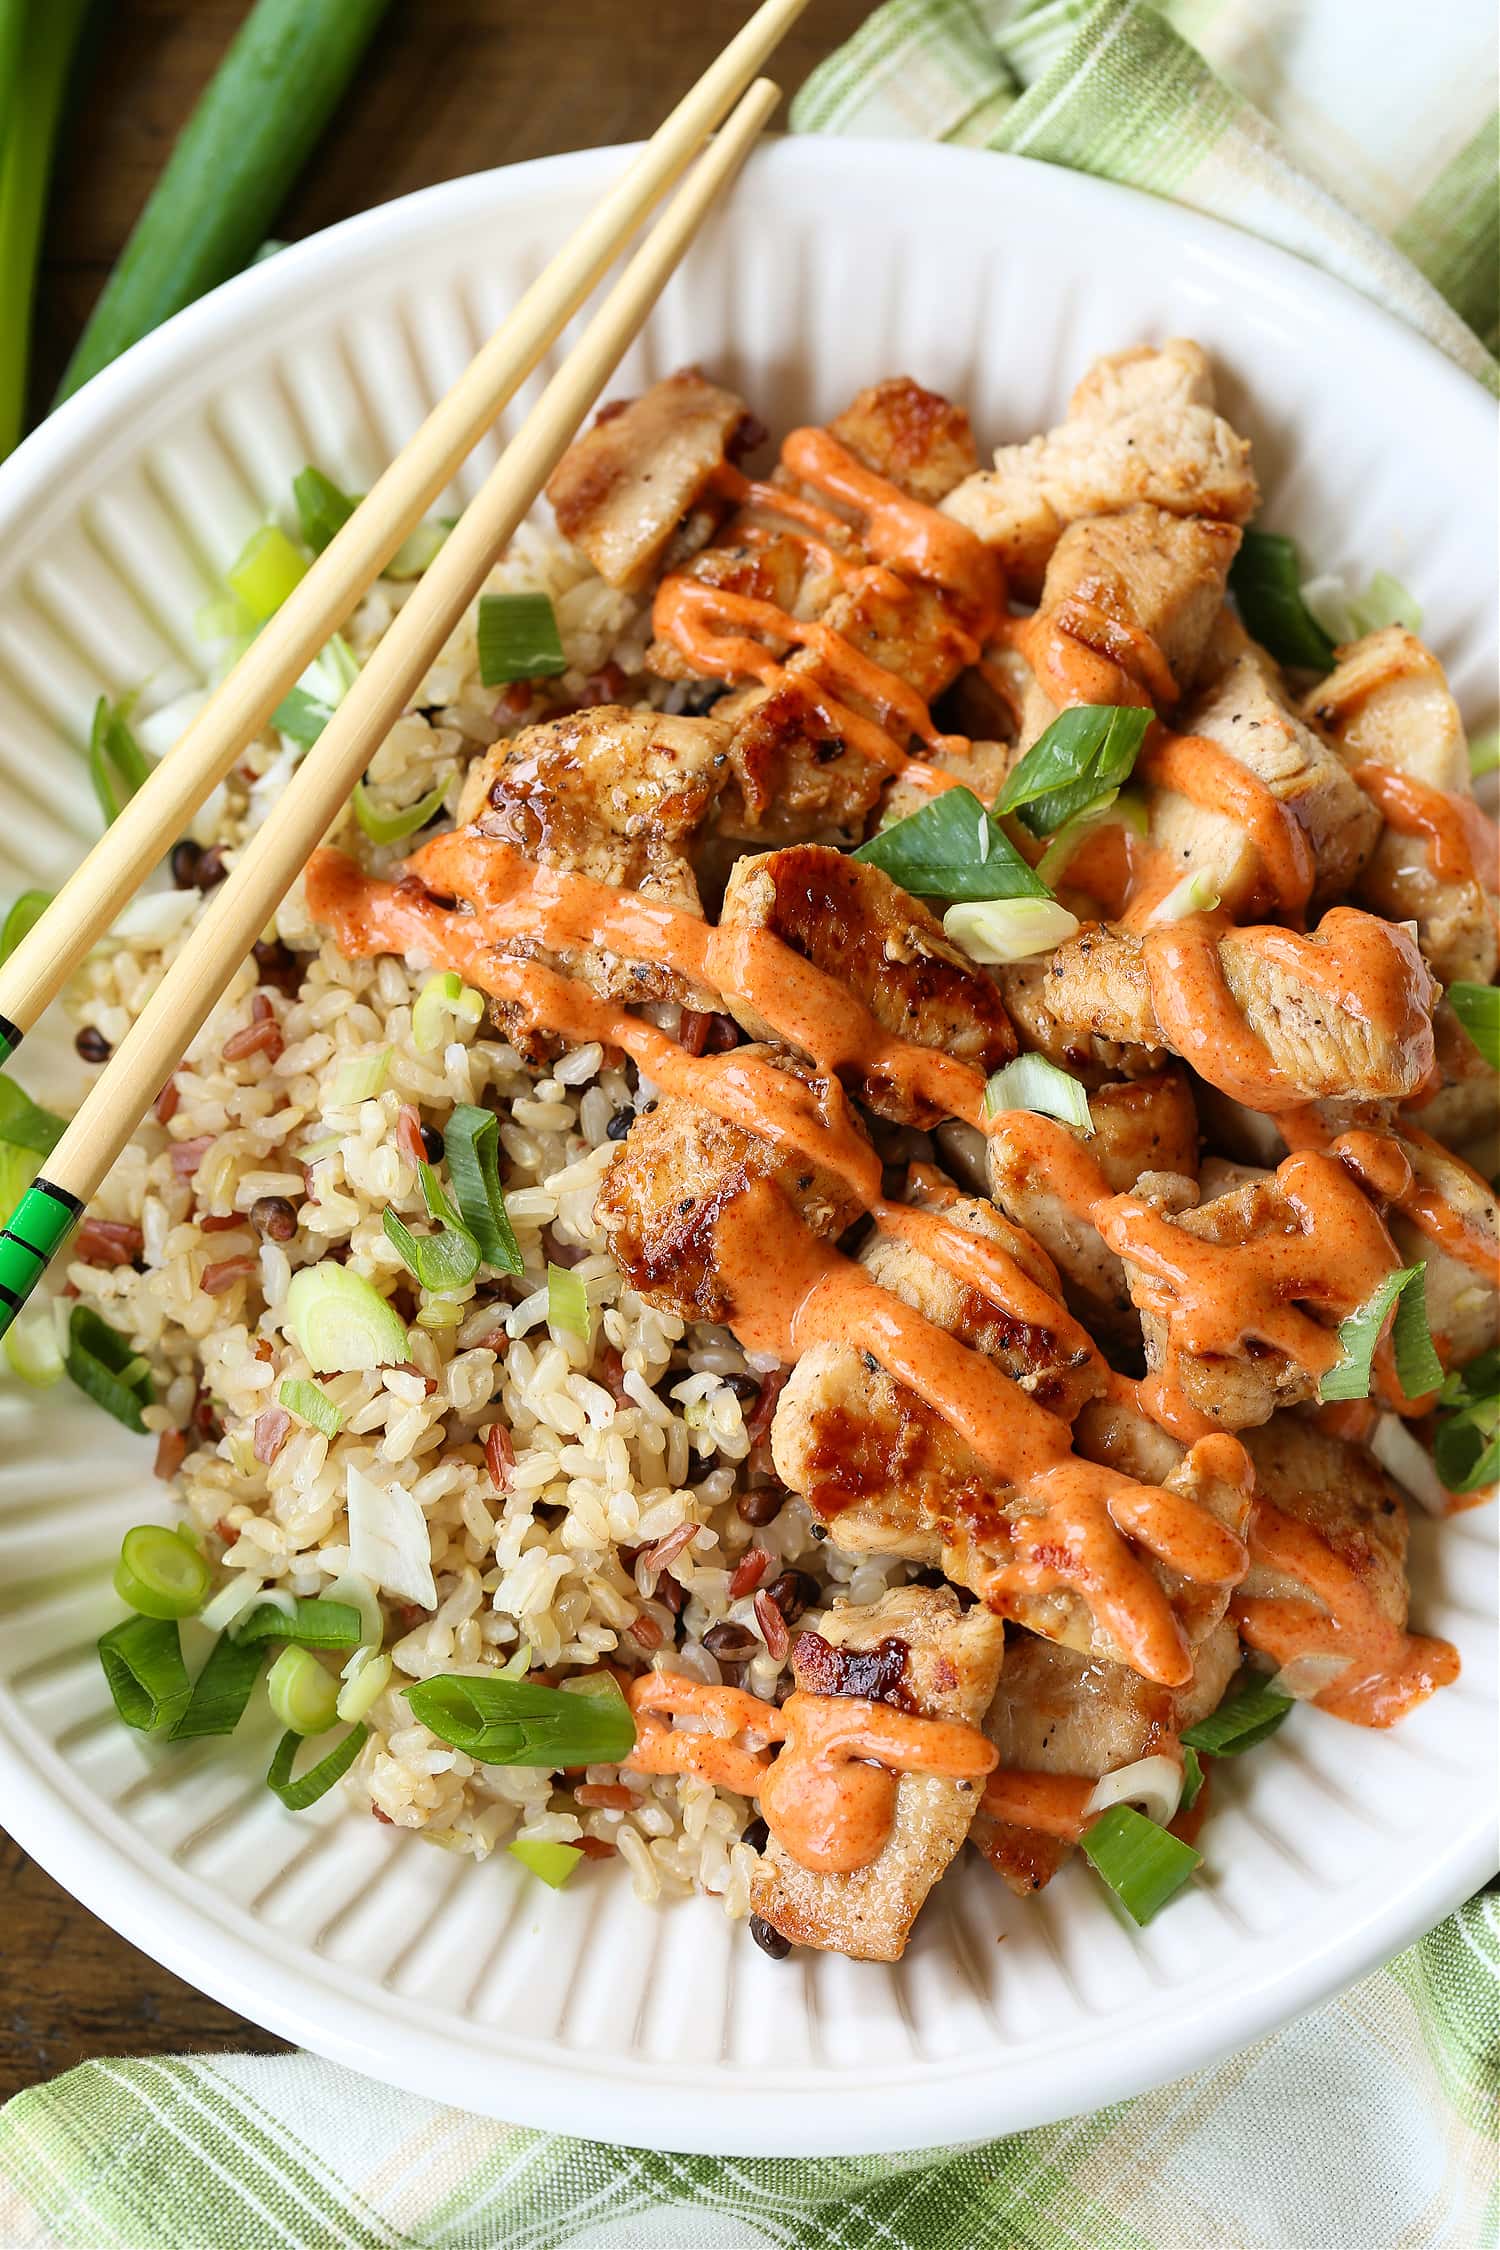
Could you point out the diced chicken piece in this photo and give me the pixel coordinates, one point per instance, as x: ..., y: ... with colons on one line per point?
x: 623, y: 487
x: 851, y: 920
x: 791, y: 778
x: 1344, y: 1496
x: 1320, y: 1040
x: 892, y: 1477
x: 1388, y: 708
x: 1031, y: 995
x: 1050, y: 1361
x: 913, y: 438
x: 917, y: 1650
x: 1146, y: 571
x: 1463, y: 1304
x: 612, y: 794
x: 675, y: 1171
x: 1245, y: 715
x: 1058, y: 1712
x: 1141, y: 427
x: 1144, y: 1126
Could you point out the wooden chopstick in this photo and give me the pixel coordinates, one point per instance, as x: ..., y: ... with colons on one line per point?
x: 238, y: 911
x: 147, y: 827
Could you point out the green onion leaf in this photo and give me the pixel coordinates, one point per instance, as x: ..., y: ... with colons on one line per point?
x: 1484, y: 753
x: 161, y: 1573
x: 305, y: 710
x: 1008, y: 929
x: 384, y: 827
x: 1086, y: 753
x: 518, y: 639
x: 1241, y: 1722
x: 471, y: 1141
x: 1477, y: 1007
x: 22, y: 920
x: 952, y: 849
x: 222, y: 1690
x: 1142, y: 1864
x: 520, y: 1723
x: 1385, y: 601
x: 1265, y: 579
x: 1466, y: 1448
x: 553, y: 1862
x: 1418, y: 1368
x: 312, y: 1405
x: 147, y: 1678
x: 301, y: 717
x: 322, y: 509
x: 33, y: 1345
x: 365, y: 1685
x: 105, y: 1368
x: 568, y: 1302
x: 117, y: 763
x: 1033, y: 1083
x: 1115, y: 809
x: 303, y: 1695
x: 298, y: 1795
x: 442, y: 997
x: 341, y: 1323
x: 1361, y: 1332
x: 445, y: 1260
x: 1192, y: 1778
x: 417, y: 550
x: 264, y: 572
x: 24, y: 1124
x: 316, y: 1624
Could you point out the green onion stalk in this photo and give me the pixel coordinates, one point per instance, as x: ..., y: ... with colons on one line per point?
x: 37, y: 46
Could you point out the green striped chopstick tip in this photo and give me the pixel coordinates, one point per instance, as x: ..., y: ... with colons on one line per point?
x: 10, y: 1038
x: 36, y: 1230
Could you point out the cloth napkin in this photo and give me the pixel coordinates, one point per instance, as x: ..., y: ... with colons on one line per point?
x: 1360, y: 134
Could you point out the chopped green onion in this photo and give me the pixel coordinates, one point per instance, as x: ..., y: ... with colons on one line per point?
x: 359, y: 1078
x: 298, y: 1795
x: 22, y: 920
x: 1477, y: 1007
x: 1418, y: 1368
x: 222, y: 1689
x: 160, y: 1574
x: 33, y: 1349
x: 1086, y: 752
x: 1142, y: 1864
x: 148, y: 1682
x: 518, y: 639
x: 264, y: 572
x: 442, y: 997
x: 27, y: 1134
x: 340, y: 1323
x: 471, y: 1141
x: 553, y: 1862
x: 1009, y: 929
x: 390, y: 827
x: 303, y: 1695
x: 1484, y: 753
x: 568, y: 1302
x: 365, y: 1685
x: 305, y: 710
x: 1191, y: 894
x: 445, y: 1260
x: 1361, y: 1332
x: 1192, y: 1777
x: 1032, y: 1082
x: 1122, y: 808
x: 322, y: 509
x: 313, y: 1624
x: 1385, y: 601
x: 117, y: 763
x: 1466, y: 1449
x: 105, y: 1368
x: 311, y: 1405
x: 417, y: 550
x: 1265, y: 579
x: 952, y: 849
x: 520, y: 1723
x: 1241, y: 1722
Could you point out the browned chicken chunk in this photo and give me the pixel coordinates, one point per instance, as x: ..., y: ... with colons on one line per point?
x: 851, y: 920
x: 1343, y: 1495
x: 623, y: 487
x: 1141, y: 426
x: 917, y: 1650
x: 914, y: 438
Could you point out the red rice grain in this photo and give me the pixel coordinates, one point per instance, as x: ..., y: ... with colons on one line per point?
x: 171, y: 1452
x: 772, y: 1626
x: 499, y: 1456
x: 612, y: 1795
x: 748, y: 1572
x: 222, y: 1276
x: 272, y: 1427
x: 108, y: 1242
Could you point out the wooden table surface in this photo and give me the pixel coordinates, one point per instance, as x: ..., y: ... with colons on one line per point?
x: 450, y: 86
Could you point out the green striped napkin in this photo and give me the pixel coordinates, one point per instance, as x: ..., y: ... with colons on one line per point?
x: 1360, y: 134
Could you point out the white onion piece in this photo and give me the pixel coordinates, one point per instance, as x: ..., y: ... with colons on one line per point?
x: 1152, y: 1784
x: 389, y: 1542
x: 1305, y: 1678
x: 356, y: 1590
x: 239, y: 1593
x: 1406, y: 1459
x: 1008, y: 929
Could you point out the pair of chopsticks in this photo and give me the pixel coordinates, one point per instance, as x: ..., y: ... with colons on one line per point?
x: 239, y: 910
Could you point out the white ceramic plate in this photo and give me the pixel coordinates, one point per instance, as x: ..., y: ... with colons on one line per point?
x: 994, y: 280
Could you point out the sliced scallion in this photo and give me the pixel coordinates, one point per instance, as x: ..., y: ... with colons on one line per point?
x: 33, y: 1346
x: 104, y: 1367
x: 148, y: 1682
x: 442, y: 999
x: 313, y: 1624
x: 568, y: 1302
x: 341, y: 1323
x: 1117, y: 808
x: 445, y: 1260
x: 222, y: 1689
x: 1484, y: 753
x: 1477, y: 1007
x: 1265, y: 579
x: 1142, y: 1864
x: 264, y: 572
x: 518, y: 639
x: 520, y: 1723
x: 25, y: 1124
x: 471, y: 1141
x: 312, y: 1405
x: 1192, y: 1777
x: 318, y: 1780
x: 1360, y: 1333
x: 22, y: 920
x: 117, y: 763
x: 1191, y: 894
x: 391, y: 825
x: 1085, y: 753
x: 417, y: 550
x: 365, y: 1685
x: 1418, y: 1368
x: 952, y: 849
x: 303, y: 1695
x: 1242, y: 1720
x: 1033, y: 1083
x: 322, y: 510
x: 160, y: 1573
x: 359, y: 1078
x: 1009, y: 929
x: 1466, y: 1448
x: 553, y: 1862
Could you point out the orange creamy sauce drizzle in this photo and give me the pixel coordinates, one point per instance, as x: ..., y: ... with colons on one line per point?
x: 829, y: 1796
x: 1462, y: 845
x: 1050, y: 1803
x: 1389, y: 1668
x: 1429, y: 1212
x: 1210, y: 777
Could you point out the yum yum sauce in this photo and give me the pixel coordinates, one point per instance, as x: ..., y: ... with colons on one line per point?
x: 1081, y: 1524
